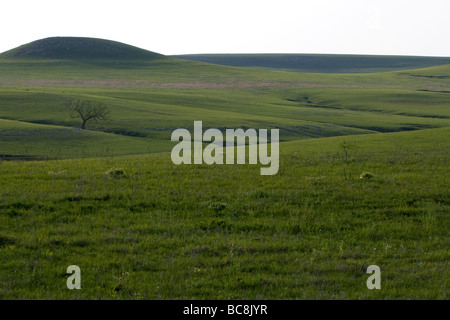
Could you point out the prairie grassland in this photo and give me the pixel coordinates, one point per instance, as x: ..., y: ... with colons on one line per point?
x: 363, y: 180
x: 161, y: 231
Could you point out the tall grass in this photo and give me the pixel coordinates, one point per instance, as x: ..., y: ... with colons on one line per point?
x: 161, y: 231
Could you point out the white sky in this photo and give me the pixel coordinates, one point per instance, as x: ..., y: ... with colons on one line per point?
x: 395, y: 27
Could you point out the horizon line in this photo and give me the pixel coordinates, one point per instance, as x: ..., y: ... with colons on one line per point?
x: 247, y: 53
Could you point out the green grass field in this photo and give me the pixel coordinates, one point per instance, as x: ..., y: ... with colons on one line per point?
x: 110, y: 200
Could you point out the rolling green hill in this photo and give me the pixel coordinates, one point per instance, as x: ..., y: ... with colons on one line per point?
x: 29, y: 141
x: 150, y: 95
x: 320, y: 63
x: 78, y: 48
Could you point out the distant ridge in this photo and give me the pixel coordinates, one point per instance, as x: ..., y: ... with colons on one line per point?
x: 79, y: 48
x: 320, y: 63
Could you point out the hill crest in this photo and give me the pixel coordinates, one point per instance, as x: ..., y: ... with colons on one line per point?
x: 79, y: 48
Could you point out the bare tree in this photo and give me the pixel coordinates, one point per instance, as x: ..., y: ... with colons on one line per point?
x: 88, y: 110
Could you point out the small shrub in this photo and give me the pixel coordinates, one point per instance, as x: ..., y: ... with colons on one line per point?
x: 366, y: 175
x: 115, y: 173
x: 4, y: 241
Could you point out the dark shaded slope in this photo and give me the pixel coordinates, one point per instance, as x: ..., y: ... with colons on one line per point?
x: 79, y: 48
x: 320, y: 63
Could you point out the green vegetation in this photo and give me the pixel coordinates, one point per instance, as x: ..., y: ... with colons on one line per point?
x: 79, y: 48
x: 321, y: 63
x: 363, y: 179
x: 88, y: 110
x: 142, y: 228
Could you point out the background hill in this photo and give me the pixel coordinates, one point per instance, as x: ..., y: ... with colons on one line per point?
x: 320, y: 63
x: 78, y: 48
x: 150, y: 95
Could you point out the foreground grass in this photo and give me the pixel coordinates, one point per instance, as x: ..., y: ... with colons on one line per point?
x: 161, y: 231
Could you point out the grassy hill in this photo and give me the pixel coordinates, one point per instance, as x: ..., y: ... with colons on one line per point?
x: 320, y: 63
x: 150, y: 95
x: 110, y: 200
x: 78, y: 48
x: 29, y: 141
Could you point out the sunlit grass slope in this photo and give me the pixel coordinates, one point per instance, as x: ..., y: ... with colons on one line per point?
x: 143, y: 228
